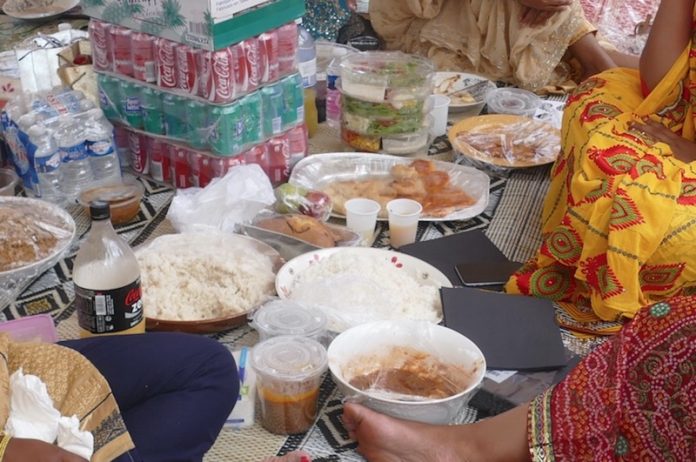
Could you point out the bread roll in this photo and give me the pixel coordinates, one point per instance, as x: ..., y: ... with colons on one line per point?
x: 301, y: 227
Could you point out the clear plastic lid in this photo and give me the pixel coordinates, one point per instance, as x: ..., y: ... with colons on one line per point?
x: 513, y: 101
x: 373, y: 75
x: 289, y: 358
x: 285, y: 317
x: 328, y: 52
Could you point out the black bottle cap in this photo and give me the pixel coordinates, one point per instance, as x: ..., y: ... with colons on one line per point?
x: 99, y: 210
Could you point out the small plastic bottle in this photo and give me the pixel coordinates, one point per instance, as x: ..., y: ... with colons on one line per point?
x: 77, y: 172
x: 47, y: 165
x: 103, y: 154
x: 107, y: 280
x: 307, y: 63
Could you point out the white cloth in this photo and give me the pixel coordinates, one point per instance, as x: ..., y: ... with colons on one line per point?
x: 33, y: 416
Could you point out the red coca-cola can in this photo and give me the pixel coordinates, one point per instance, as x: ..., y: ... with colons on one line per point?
x: 181, y: 174
x: 269, y: 46
x: 287, y: 48
x: 186, y: 69
x: 257, y: 155
x: 166, y: 63
x: 138, y: 150
x: 219, y: 166
x: 195, y: 160
x: 167, y: 162
x: 143, y: 51
x: 204, y: 70
x: 299, y: 144
x: 254, y: 62
x: 121, y: 49
x: 223, y: 76
x: 206, y: 173
x: 239, y: 69
x: 159, y: 164
x: 101, y: 45
x: 278, y: 159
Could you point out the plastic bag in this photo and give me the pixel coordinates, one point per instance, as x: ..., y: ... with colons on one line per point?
x: 235, y: 198
x: 297, y: 199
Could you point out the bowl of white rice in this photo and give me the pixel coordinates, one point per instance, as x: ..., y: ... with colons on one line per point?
x: 353, y: 286
x: 205, y: 282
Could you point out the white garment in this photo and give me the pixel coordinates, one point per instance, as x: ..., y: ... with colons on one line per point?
x: 33, y: 416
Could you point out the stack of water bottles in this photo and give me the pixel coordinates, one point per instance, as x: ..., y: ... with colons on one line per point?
x: 61, y: 144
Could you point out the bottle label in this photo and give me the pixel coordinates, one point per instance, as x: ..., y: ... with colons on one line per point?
x: 76, y: 152
x: 308, y: 71
x: 99, y: 148
x: 47, y: 164
x: 106, y: 311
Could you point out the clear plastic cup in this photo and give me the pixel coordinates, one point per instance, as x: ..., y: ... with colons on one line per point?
x: 288, y: 374
x: 440, y: 108
x: 286, y: 317
x: 361, y: 217
x: 403, y: 221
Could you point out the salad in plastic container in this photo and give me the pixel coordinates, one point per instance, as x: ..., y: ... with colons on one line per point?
x: 385, y: 118
x: 397, y: 143
x: 379, y: 76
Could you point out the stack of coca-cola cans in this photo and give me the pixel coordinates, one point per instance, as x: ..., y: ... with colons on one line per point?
x: 185, y: 115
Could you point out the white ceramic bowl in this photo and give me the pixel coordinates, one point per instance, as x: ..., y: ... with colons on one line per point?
x: 347, y: 359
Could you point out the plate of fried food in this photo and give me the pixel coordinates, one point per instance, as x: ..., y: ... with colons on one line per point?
x: 467, y: 92
x: 445, y: 190
x: 506, y: 140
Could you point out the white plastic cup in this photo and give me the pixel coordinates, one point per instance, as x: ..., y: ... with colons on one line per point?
x: 403, y: 221
x: 361, y: 217
x: 440, y: 108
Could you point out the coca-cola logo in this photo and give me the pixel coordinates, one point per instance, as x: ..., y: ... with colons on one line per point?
x: 183, y: 67
x: 133, y: 296
x: 100, y: 45
x: 221, y: 73
x: 253, y: 57
x: 166, y: 60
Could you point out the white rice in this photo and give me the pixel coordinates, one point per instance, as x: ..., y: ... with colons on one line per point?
x: 188, y: 283
x: 353, y: 289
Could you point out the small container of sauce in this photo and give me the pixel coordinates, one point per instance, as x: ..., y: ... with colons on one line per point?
x: 123, y: 199
x: 288, y: 370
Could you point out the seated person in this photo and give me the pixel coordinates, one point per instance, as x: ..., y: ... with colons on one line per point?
x: 618, y: 223
x: 632, y: 398
x: 525, y: 42
x: 150, y: 397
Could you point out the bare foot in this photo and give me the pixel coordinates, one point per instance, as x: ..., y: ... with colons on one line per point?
x: 385, y: 439
x: 295, y: 456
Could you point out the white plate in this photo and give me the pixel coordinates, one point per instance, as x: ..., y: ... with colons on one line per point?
x: 415, y: 267
x: 37, y: 9
x: 317, y: 171
x: 459, y: 81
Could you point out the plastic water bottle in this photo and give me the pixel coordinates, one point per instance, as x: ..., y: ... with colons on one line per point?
x: 47, y: 164
x: 77, y: 172
x: 307, y: 63
x: 103, y: 155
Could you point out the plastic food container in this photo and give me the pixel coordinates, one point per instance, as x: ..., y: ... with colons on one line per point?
x: 8, y: 182
x: 514, y: 101
x: 39, y: 327
x: 288, y: 374
x: 286, y: 317
x: 123, y: 198
x: 396, y: 144
x: 382, y: 76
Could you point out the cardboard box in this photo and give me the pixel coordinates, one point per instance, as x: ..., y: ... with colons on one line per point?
x: 208, y: 24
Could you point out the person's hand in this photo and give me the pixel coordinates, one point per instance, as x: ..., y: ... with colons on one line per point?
x: 537, y: 12
x: 26, y: 450
x: 682, y: 148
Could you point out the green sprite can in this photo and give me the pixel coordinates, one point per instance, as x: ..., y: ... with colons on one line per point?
x: 197, y: 124
x: 174, y: 110
x: 151, y: 104
x: 292, y: 98
x: 227, y: 129
x: 252, y: 115
x: 272, y: 107
x: 130, y: 104
x: 110, y: 96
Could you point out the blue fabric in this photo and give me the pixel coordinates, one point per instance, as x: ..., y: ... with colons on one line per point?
x: 174, y: 390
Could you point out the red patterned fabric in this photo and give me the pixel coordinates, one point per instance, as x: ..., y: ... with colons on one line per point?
x: 631, y: 399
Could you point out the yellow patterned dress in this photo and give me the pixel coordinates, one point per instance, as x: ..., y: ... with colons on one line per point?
x: 619, y: 221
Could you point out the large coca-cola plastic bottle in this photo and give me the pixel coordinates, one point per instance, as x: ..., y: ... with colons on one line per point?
x: 107, y: 280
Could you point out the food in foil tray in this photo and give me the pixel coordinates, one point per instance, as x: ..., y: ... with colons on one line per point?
x: 522, y: 143
x: 302, y: 227
x: 419, y: 180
